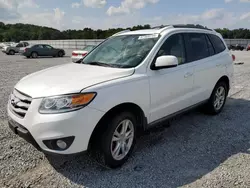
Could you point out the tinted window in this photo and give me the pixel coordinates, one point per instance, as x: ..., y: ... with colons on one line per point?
x: 198, y: 48
x: 47, y: 46
x: 217, y: 43
x: 38, y: 46
x: 19, y: 45
x: 174, y: 45
x: 210, y: 47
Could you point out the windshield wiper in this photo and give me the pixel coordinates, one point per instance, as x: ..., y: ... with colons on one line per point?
x: 100, y: 64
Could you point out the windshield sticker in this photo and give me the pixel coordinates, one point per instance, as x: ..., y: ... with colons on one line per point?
x: 148, y: 36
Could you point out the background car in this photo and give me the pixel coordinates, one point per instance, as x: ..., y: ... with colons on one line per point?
x: 42, y: 50
x: 14, y: 48
x: 236, y: 47
x: 79, y: 54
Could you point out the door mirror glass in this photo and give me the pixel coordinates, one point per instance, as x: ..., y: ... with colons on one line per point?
x: 167, y: 61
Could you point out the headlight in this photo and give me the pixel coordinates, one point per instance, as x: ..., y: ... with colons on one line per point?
x: 65, y: 103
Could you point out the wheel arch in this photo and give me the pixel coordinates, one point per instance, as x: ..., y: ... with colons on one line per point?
x: 128, y: 106
x: 226, y: 80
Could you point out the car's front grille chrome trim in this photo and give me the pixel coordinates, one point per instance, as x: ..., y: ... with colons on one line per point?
x: 19, y: 103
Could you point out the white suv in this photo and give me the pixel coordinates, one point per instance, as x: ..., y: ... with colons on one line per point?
x: 131, y: 81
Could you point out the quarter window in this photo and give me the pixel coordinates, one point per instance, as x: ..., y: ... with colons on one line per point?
x: 198, y: 46
x: 217, y: 43
x: 174, y: 45
x: 210, y: 47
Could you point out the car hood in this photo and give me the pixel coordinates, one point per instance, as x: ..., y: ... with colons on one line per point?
x: 69, y: 78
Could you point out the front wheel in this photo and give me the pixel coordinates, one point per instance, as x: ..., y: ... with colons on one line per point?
x: 60, y: 54
x: 118, y: 140
x: 217, y: 99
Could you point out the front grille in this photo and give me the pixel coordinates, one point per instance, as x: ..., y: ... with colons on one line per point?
x: 19, y: 103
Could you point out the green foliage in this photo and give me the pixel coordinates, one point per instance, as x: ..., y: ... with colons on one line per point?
x: 18, y: 32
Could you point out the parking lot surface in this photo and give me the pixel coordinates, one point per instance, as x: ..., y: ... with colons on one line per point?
x: 196, y: 151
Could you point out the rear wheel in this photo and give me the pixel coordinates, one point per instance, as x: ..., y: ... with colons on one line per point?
x: 34, y: 55
x: 118, y: 140
x: 217, y: 99
x: 12, y: 52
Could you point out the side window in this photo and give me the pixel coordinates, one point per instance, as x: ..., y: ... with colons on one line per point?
x: 20, y: 45
x: 47, y: 46
x: 210, y: 47
x: 174, y: 45
x: 39, y: 46
x: 217, y: 43
x: 198, y: 46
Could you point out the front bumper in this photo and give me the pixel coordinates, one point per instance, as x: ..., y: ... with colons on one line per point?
x: 22, y: 132
x: 37, y: 128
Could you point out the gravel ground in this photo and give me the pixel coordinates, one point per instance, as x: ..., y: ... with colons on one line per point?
x: 196, y: 151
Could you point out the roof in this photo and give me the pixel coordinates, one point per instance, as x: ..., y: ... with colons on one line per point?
x: 160, y: 29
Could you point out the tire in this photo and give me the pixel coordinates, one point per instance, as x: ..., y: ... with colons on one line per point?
x: 113, y: 140
x: 27, y: 57
x: 60, y: 54
x: 219, y: 94
x: 11, y: 52
x: 34, y: 55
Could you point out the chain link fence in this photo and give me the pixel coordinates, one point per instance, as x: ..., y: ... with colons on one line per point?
x: 78, y: 44
x: 67, y: 44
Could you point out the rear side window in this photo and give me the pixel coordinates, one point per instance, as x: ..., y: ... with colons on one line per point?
x: 20, y: 45
x: 198, y: 48
x: 217, y: 43
x: 210, y: 47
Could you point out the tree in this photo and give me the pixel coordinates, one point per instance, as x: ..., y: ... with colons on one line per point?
x: 17, y: 32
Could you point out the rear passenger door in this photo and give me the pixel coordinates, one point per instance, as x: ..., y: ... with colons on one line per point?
x: 207, y: 65
x: 39, y: 50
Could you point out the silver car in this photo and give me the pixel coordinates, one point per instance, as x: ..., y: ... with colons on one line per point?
x: 11, y: 50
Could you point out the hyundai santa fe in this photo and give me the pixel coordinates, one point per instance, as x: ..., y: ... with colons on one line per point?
x: 130, y: 82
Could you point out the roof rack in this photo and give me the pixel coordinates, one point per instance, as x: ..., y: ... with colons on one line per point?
x: 192, y: 26
x: 160, y: 26
x: 124, y: 31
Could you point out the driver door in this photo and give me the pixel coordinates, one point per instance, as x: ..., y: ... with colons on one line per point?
x: 48, y: 50
x: 171, y: 88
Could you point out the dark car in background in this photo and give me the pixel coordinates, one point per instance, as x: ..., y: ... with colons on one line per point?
x: 37, y: 50
x: 236, y: 47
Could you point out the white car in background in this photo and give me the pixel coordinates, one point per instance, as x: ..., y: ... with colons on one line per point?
x: 79, y: 54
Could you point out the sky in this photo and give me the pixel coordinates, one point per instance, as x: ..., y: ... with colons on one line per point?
x: 103, y: 14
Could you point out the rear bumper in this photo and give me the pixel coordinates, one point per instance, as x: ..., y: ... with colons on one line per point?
x: 25, y: 54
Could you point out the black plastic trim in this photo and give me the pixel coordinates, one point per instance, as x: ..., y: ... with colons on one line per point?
x: 23, y: 133
x: 51, y: 144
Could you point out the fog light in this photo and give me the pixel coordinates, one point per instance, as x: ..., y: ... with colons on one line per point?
x: 61, y: 144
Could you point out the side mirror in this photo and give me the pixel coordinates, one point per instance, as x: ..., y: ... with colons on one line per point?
x: 163, y: 62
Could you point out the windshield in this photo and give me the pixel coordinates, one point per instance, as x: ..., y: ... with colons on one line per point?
x: 88, y: 48
x: 122, y: 51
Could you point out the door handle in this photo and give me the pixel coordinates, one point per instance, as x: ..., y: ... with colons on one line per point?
x: 188, y: 74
